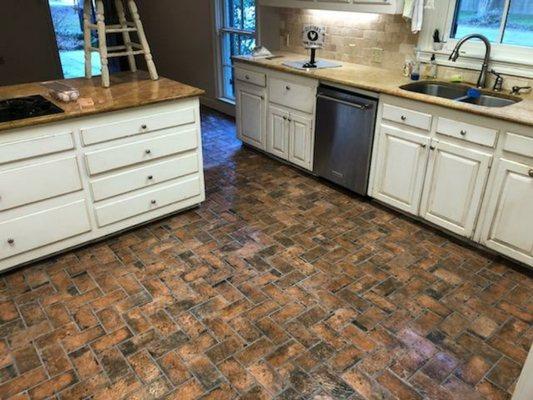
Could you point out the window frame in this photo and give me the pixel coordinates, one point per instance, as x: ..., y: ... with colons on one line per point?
x: 505, y: 58
x: 219, y: 31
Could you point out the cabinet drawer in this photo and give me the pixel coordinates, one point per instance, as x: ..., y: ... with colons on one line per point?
x: 141, y: 151
x: 38, y: 182
x: 134, y: 126
x: 255, y: 78
x: 292, y: 95
x: 39, y: 146
x: 407, y: 117
x: 468, y: 132
x: 145, y: 176
x: 147, y: 201
x: 43, y: 228
x: 518, y: 144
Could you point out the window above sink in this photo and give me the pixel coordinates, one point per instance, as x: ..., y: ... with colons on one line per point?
x: 507, y: 23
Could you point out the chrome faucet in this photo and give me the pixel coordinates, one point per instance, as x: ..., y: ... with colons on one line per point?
x: 483, y: 75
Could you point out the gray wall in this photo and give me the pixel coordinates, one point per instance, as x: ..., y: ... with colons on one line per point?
x: 28, y: 51
x: 180, y: 35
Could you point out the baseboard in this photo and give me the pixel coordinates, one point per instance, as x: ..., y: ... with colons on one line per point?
x: 218, y: 105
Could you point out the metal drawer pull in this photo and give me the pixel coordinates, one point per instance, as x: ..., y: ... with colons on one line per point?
x: 11, y: 241
x: 463, y: 132
x: 150, y: 177
x: 144, y: 127
x: 148, y: 151
x: 288, y: 87
x: 530, y: 173
x: 153, y: 201
x: 403, y: 117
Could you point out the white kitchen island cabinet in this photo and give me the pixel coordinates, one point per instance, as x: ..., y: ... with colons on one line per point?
x: 67, y: 183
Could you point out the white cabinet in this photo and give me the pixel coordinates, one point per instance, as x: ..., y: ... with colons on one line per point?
x: 301, y: 140
x: 508, y: 226
x: 290, y: 136
x: 69, y: 183
x: 251, y: 114
x: 368, y: 6
x: 454, y: 185
x: 400, y: 168
x: 278, y: 132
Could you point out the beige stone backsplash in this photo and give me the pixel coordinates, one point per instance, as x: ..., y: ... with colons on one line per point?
x: 351, y: 37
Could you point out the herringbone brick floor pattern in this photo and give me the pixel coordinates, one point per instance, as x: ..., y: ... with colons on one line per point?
x: 278, y: 287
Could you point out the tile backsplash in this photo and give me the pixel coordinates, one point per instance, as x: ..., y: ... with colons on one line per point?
x: 353, y: 37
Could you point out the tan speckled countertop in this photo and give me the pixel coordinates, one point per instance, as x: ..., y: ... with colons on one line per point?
x: 128, y: 89
x: 389, y: 82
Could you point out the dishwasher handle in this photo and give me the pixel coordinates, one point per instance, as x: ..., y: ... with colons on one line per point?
x: 346, y: 103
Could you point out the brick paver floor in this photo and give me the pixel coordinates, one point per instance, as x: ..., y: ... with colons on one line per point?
x: 278, y: 286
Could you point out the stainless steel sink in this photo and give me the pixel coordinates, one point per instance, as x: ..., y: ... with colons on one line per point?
x: 458, y: 92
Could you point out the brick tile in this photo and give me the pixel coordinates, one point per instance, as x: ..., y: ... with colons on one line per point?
x: 277, y: 287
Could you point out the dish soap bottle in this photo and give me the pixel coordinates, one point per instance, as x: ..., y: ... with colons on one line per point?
x: 430, y: 69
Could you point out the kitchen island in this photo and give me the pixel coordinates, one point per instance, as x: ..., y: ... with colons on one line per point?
x: 114, y: 159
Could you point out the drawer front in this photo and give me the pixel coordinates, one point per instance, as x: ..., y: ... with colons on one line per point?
x: 292, y: 95
x: 135, y: 126
x: 147, y: 201
x: 518, y: 144
x: 40, y: 181
x: 407, y: 117
x: 468, y: 132
x: 145, y: 176
x: 141, y: 151
x: 40, y: 146
x: 255, y: 78
x: 43, y: 228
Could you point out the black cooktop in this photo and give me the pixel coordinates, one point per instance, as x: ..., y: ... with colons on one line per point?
x: 26, y: 107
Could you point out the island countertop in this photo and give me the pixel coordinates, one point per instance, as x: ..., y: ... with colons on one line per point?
x: 389, y: 82
x: 128, y: 90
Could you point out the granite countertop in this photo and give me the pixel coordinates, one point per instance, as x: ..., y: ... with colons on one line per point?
x: 388, y: 82
x: 128, y: 89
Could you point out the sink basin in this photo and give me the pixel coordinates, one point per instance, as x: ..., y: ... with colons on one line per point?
x: 444, y: 90
x: 458, y: 92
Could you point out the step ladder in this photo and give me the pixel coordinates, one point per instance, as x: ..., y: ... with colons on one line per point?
x: 128, y: 49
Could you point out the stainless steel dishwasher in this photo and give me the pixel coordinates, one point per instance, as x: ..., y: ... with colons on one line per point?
x: 345, y: 122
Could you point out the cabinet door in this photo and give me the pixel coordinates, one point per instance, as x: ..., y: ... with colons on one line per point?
x: 251, y: 115
x: 278, y: 132
x: 402, y: 160
x: 508, y: 226
x: 301, y: 140
x: 454, y: 187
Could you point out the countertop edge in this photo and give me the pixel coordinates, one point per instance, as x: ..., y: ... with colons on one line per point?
x: 396, y: 92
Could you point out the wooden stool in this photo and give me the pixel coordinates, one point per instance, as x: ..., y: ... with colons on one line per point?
x: 129, y: 49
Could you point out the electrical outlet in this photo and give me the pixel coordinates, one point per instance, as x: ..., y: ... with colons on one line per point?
x: 377, y: 55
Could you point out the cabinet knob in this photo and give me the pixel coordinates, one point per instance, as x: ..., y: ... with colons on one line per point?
x: 11, y: 241
x: 153, y: 202
x: 463, y: 132
x: 144, y: 127
x: 432, y: 147
x: 150, y: 177
x: 403, y: 117
x: 530, y: 173
x: 288, y: 87
x: 289, y: 119
x: 285, y: 118
x: 148, y: 151
x: 247, y: 77
x: 423, y: 145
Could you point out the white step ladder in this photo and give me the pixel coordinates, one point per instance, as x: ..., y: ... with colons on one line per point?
x: 129, y: 49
